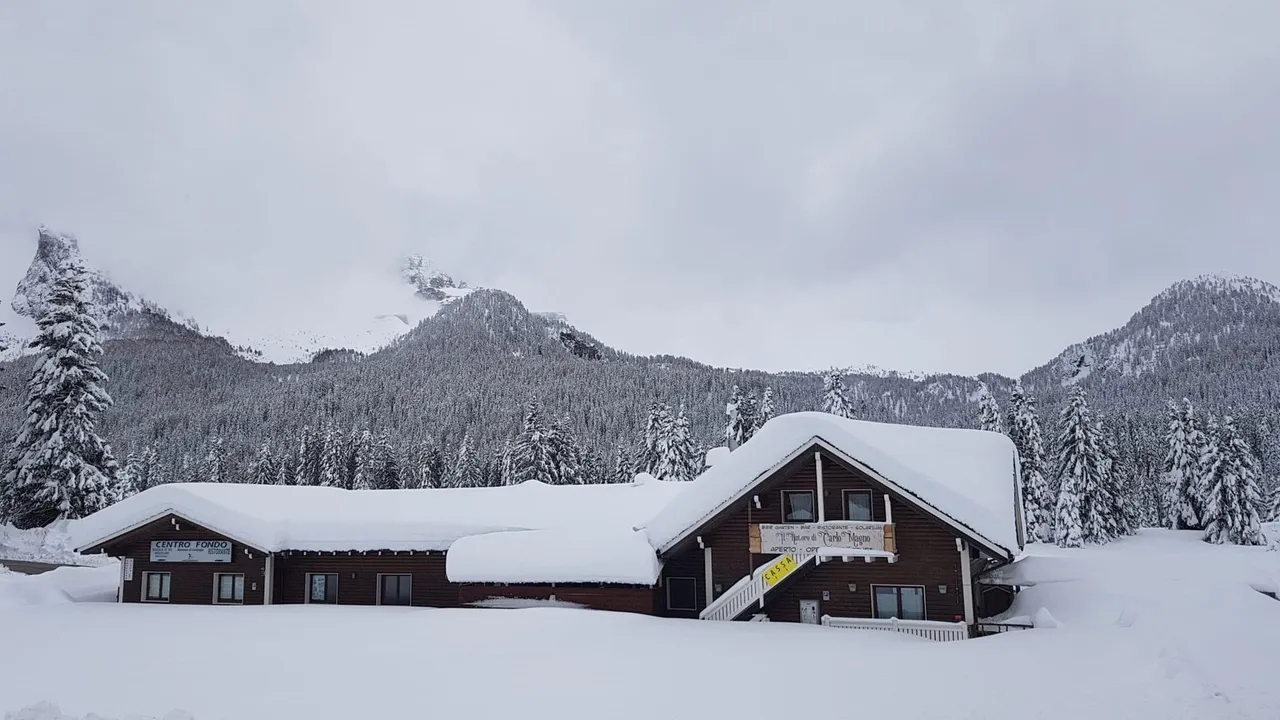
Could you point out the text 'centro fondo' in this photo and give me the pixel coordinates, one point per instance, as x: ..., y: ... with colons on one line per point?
x: 215, y: 551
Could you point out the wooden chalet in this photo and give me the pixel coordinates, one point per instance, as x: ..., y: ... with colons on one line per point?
x: 816, y: 519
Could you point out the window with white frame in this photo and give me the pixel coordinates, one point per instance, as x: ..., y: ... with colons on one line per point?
x: 857, y: 505
x: 155, y: 586
x: 682, y: 593
x: 902, y: 602
x: 395, y: 589
x: 322, y: 588
x: 799, y: 506
x: 228, y: 588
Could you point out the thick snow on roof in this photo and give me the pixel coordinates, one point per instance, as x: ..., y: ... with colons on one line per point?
x: 560, y: 555
x: 967, y: 475
x: 274, y: 517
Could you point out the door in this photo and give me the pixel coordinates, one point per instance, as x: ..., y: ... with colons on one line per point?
x: 809, y: 612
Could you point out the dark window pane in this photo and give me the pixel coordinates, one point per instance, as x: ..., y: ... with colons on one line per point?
x: 157, y: 586
x: 323, y: 588
x: 912, y: 603
x: 886, y: 602
x: 397, y: 590
x: 682, y: 594
x: 799, y: 507
x: 857, y: 506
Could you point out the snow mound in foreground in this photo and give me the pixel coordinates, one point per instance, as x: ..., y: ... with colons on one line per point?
x: 60, y: 585
x: 49, y: 545
x: 49, y: 711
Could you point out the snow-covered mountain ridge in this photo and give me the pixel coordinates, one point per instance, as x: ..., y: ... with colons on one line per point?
x: 417, y: 290
x: 1181, y: 324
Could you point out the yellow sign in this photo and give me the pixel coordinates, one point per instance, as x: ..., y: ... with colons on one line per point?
x: 781, y: 568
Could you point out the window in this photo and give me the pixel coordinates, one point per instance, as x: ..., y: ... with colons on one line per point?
x: 798, y: 506
x: 857, y: 505
x: 228, y: 588
x: 904, y: 603
x: 155, y: 586
x: 322, y: 588
x: 682, y: 593
x: 395, y: 589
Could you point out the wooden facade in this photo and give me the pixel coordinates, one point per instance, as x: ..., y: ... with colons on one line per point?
x: 928, y: 554
x: 930, y: 557
x: 189, y: 583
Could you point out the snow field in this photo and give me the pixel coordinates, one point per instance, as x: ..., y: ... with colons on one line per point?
x: 1160, y: 626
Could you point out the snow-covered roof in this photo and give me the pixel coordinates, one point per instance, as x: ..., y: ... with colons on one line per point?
x: 277, y: 517
x: 559, y: 555
x: 968, y: 477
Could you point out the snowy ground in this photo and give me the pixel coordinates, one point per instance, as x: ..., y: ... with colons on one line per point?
x: 49, y: 545
x: 1145, y: 636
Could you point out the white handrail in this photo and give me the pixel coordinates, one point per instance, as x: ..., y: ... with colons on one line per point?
x: 740, y: 596
x: 928, y: 629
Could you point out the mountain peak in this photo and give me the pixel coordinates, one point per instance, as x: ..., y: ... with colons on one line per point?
x: 1222, y: 283
x: 429, y: 282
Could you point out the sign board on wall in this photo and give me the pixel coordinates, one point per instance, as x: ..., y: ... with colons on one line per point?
x: 193, y: 551
x: 771, y: 539
x: 780, y: 568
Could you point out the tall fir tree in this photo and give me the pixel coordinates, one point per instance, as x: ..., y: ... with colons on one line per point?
x: 463, y: 471
x: 149, y: 469
x: 739, y: 418
x: 679, y: 461
x: 834, y: 398
x: 623, y: 472
x: 988, y: 410
x: 764, y: 413
x: 362, y: 462
x: 1182, y: 468
x: 331, y: 458
x: 1233, y: 503
x: 1024, y: 430
x: 386, y: 464
x: 263, y: 471
x: 310, y: 452
x: 58, y: 465
x: 656, y: 430
x: 1079, y: 516
x: 214, y: 461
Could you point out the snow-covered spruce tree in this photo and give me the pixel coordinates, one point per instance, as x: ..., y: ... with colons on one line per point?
x: 623, y: 472
x: 1231, y: 511
x: 310, y: 451
x: 58, y: 465
x: 362, y: 463
x: 834, y: 399
x: 988, y: 410
x: 463, y: 471
x: 214, y: 460
x: 1024, y: 429
x: 656, y: 429
x: 679, y: 458
x: 532, y: 454
x: 1273, y: 513
x: 1117, y: 500
x: 331, y: 462
x: 1079, y: 515
x: 386, y: 464
x: 739, y: 418
x: 263, y: 471
x: 127, y: 479
x: 765, y: 411
x: 1182, y: 467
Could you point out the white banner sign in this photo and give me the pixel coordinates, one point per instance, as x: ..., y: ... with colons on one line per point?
x: 196, y: 551
x: 809, y: 537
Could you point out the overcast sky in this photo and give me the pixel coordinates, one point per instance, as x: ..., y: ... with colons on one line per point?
x: 945, y: 186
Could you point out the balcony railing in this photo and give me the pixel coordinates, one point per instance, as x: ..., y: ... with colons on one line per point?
x: 928, y: 629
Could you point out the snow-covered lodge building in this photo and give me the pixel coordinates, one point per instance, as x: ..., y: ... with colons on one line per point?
x: 815, y: 519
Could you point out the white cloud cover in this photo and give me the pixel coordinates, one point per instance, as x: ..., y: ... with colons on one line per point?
x: 769, y: 185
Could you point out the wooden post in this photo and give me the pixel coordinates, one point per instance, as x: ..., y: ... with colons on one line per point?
x: 890, y: 541
x: 822, y: 507
x: 753, y: 538
x: 966, y: 578
x: 706, y: 561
